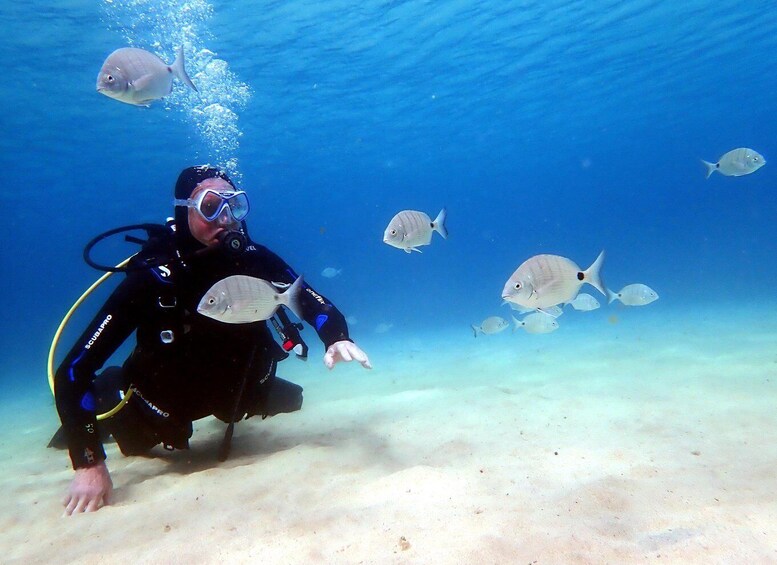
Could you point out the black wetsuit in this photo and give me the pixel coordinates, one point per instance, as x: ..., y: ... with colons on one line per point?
x: 184, y: 366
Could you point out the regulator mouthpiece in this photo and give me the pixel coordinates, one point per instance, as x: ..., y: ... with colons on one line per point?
x: 232, y: 241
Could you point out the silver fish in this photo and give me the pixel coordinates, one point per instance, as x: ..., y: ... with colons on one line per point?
x: 736, y: 163
x: 491, y: 325
x: 547, y: 280
x: 410, y: 229
x: 634, y: 295
x: 138, y: 77
x: 383, y: 327
x: 242, y: 299
x: 584, y: 302
x: 331, y: 272
x: 537, y: 323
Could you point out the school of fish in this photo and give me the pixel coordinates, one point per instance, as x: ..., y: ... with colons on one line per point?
x: 539, y: 288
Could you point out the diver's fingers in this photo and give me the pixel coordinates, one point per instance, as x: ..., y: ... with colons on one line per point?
x: 356, y: 353
x: 359, y: 355
x: 93, y: 505
x: 80, y: 505
x: 345, y: 354
x: 329, y: 360
x: 345, y: 351
x: 69, y: 502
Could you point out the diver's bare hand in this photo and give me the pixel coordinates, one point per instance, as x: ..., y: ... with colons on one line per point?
x: 345, y: 351
x: 91, y: 489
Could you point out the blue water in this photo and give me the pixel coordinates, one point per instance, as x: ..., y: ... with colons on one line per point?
x: 563, y: 127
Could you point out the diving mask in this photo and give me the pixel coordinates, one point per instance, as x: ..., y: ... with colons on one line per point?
x: 210, y: 204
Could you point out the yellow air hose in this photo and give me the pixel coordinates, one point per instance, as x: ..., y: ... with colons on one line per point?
x: 61, y: 328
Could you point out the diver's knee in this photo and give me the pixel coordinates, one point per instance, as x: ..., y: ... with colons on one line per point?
x: 283, y: 397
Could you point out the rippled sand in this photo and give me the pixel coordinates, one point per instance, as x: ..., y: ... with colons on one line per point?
x: 643, y: 437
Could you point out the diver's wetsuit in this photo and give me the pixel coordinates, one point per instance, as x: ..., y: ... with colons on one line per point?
x: 184, y: 366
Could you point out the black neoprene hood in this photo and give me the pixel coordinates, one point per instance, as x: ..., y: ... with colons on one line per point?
x: 184, y: 186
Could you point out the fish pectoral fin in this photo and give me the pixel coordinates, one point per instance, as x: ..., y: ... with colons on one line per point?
x: 552, y: 313
x: 142, y: 82
x: 415, y: 249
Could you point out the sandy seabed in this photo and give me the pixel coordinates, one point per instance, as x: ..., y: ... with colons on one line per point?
x: 649, y: 439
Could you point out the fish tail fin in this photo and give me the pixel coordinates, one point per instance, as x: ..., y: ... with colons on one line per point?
x: 439, y: 223
x: 593, y: 276
x: 711, y: 167
x: 516, y: 323
x: 179, y: 70
x: 291, y: 297
x: 474, y: 330
x: 611, y: 296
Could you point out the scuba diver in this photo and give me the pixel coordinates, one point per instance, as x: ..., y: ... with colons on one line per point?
x: 184, y: 366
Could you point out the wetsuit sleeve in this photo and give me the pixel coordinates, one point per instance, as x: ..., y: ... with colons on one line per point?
x: 73, y: 381
x: 316, y: 309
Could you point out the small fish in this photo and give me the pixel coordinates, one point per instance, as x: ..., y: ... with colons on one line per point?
x: 583, y: 302
x: 634, y: 295
x: 736, y: 163
x: 547, y: 280
x: 410, y: 229
x: 331, y: 272
x: 138, y: 77
x: 242, y: 299
x: 490, y: 326
x: 383, y: 328
x: 537, y: 323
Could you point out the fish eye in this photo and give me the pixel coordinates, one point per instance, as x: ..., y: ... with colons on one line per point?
x: 518, y: 286
x: 109, y: 78
x: 393, y: 232
x: 211, y: 301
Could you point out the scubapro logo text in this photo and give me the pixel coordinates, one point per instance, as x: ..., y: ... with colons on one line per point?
x: 100, y: 329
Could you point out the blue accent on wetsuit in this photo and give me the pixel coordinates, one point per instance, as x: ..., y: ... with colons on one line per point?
x: 321, y: 320
x: 71, y: 371
x: 88, y: 403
